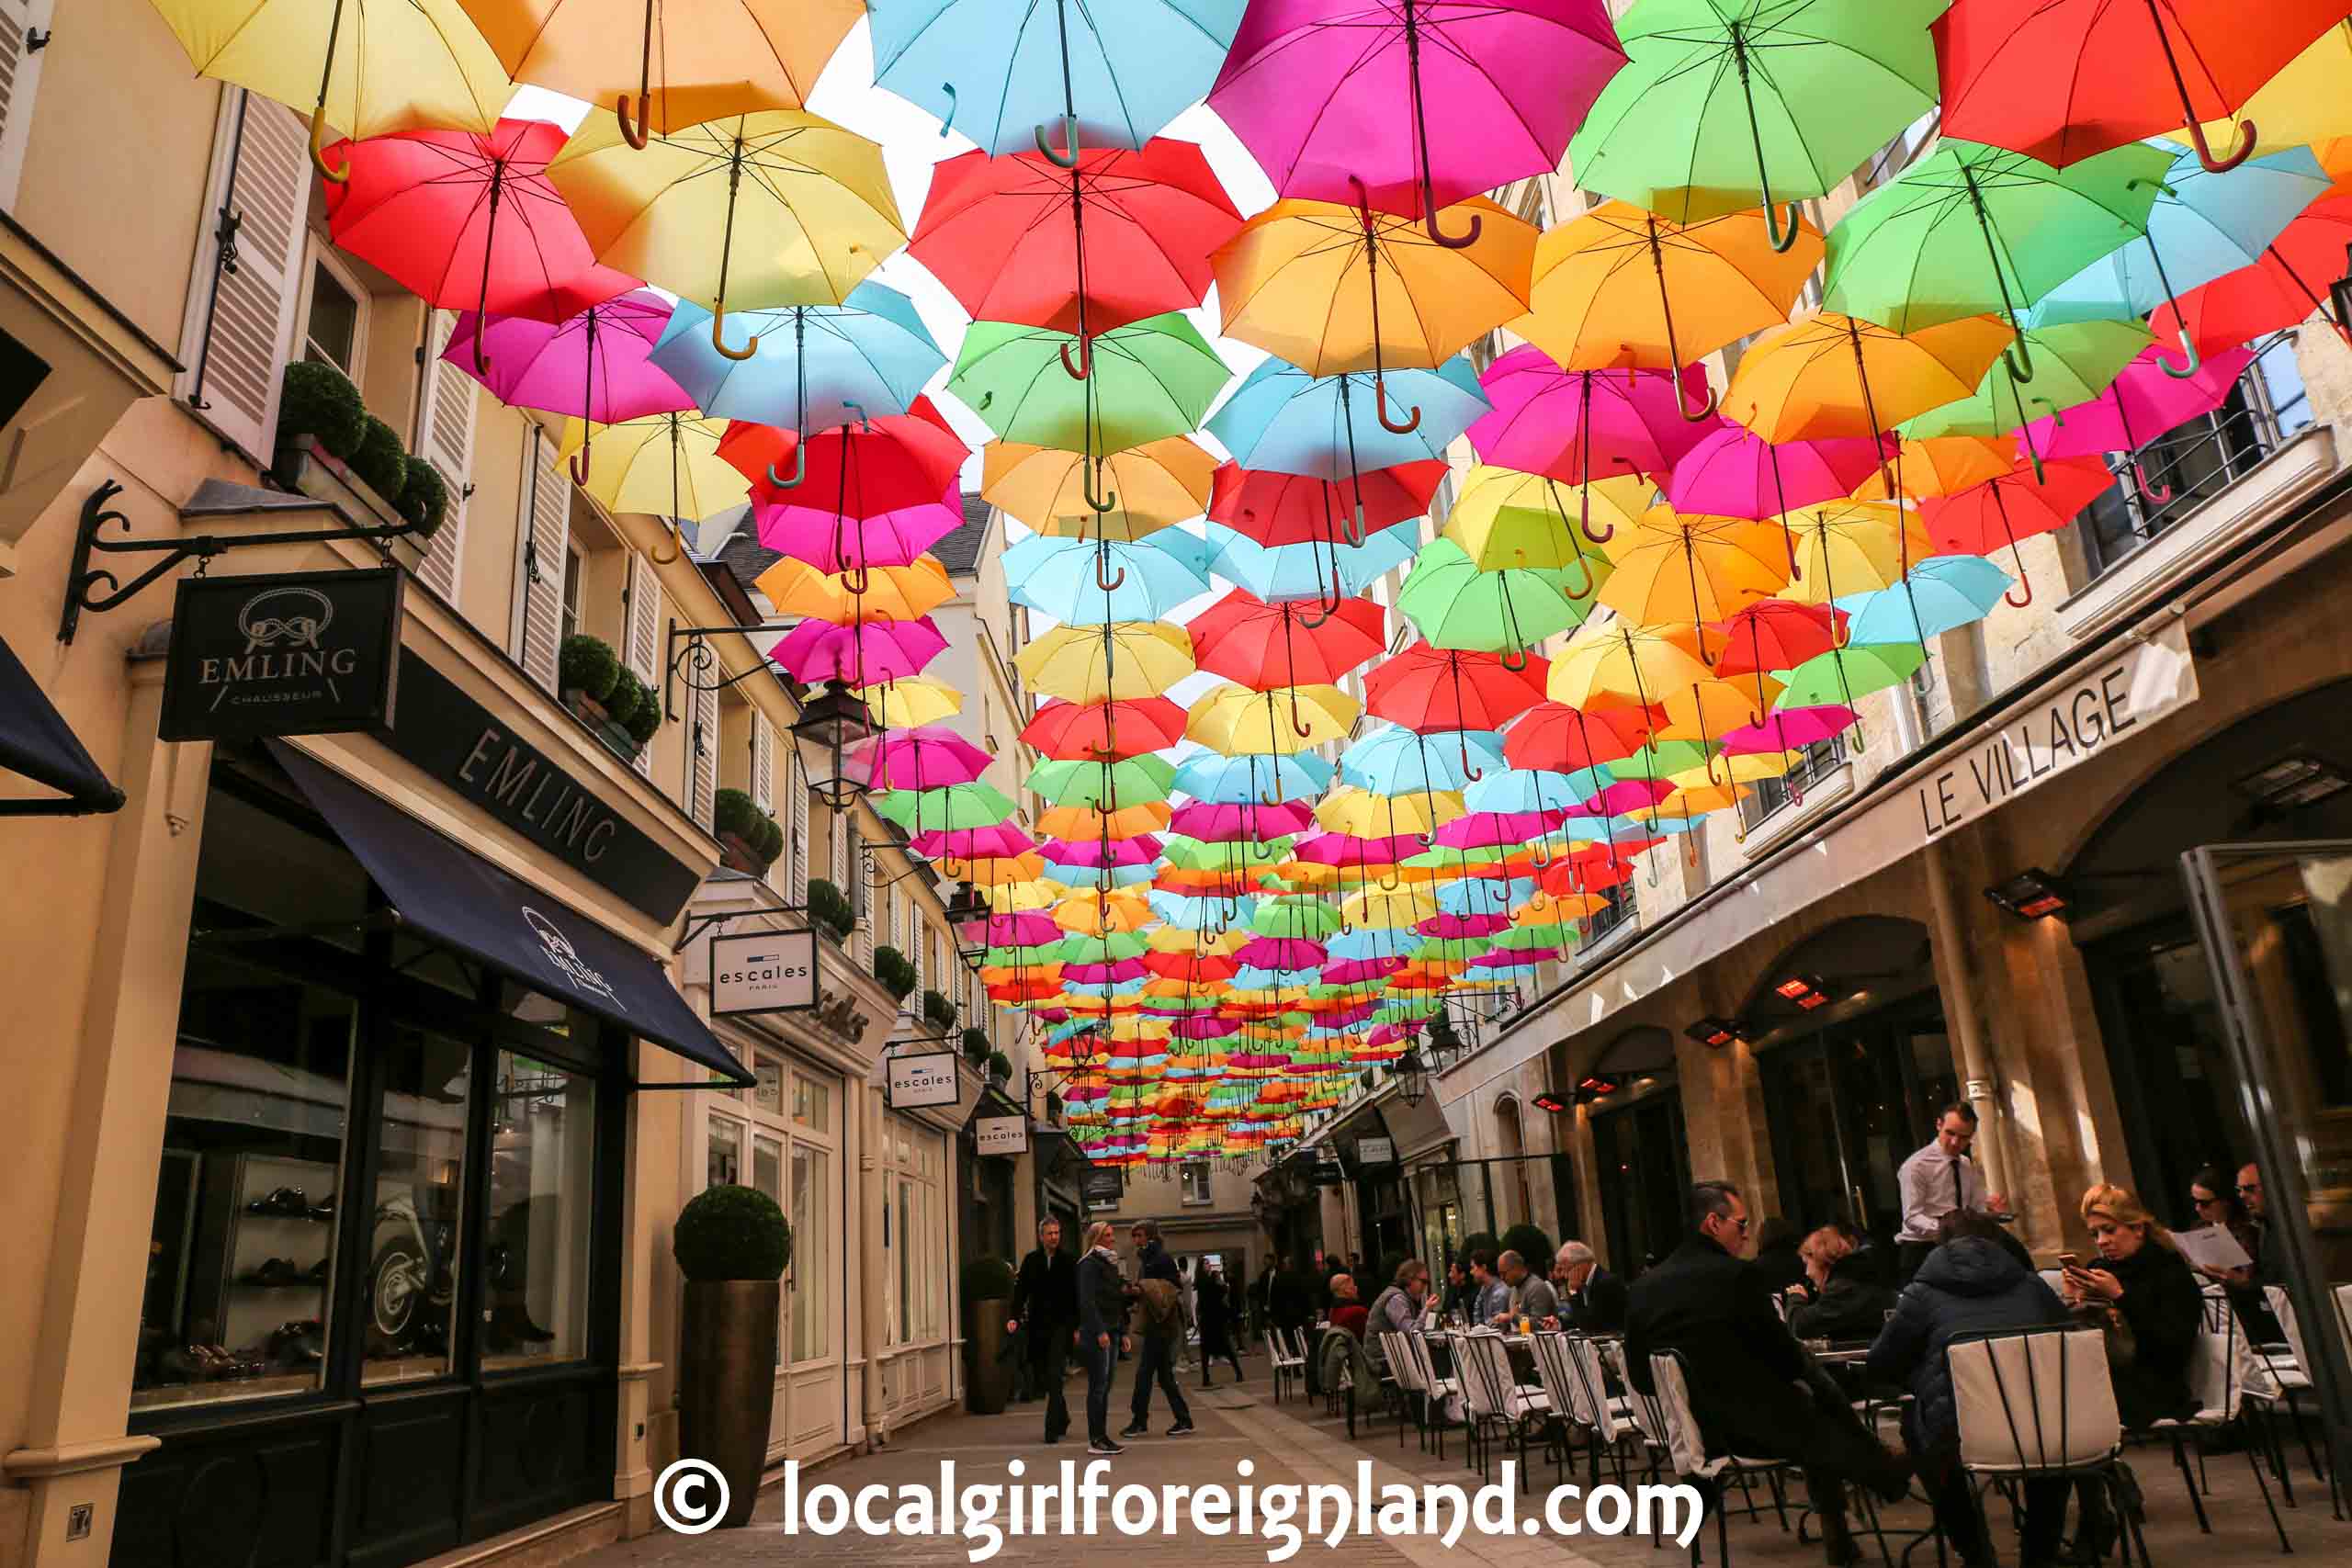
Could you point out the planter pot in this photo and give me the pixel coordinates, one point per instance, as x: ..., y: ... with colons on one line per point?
x: 727, y: 1383
x: 990, y: 1388
x: 740, y: 856
x: 577, y: 699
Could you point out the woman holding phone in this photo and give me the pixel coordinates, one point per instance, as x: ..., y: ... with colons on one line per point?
x: 2148, y: 1299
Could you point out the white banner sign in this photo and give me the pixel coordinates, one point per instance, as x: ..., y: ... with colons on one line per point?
x: 918, y: 1082
x: 762, y: 972
x: 1375, y: 1151
x: 1001, y: 1134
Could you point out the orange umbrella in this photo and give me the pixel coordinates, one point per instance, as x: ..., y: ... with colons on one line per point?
x: 1831, y: 376
x: 1674, y: 568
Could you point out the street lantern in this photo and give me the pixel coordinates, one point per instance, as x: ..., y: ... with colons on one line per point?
x: 832, y: 721
x: 1412, y: 1077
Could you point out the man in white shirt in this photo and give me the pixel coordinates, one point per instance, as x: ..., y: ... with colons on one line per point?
x: 1937, y: 1180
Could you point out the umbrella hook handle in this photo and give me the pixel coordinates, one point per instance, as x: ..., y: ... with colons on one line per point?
x: 719, y: 336
x: 1083, y: 367
x: 1505, y: 656
x: 864, y: 423
x: 1681, y: 406
x: 580, y: 462
x: 2189, y: 109
x: 947, y: 121
x: 671, y: 558
x: 1070, y: 139
x: 1102, y: 559
x: 1437, y: 236
x: 1412, y: 421
x: 799, y: 467
x: 636, y: 134
x: 1105, y: 502
x: 1781, y: 243
x: 319, y: 147
x: 2183, y: 372
x: 2147, y: 488
x: 1297, y: 727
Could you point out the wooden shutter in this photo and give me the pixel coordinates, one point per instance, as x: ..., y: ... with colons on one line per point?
x: 920, y: 934
x: 19, y: 79
x: 797, y: 788
x: 239, y: 334
x: 445, y: 437
x: 702, y: 756
x: 545, y: 525
x: 643, y: 636
x: 862, y: 899
x: 763, y: 763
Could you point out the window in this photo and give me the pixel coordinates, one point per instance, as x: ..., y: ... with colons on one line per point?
x: 1815, y: 764
x: 812, y: 1247
x: 542, y: 1171
x: 724, y: 1164
x: 917, y: 1233
x: 1195, y: 1174
x: 768, y: 1093
x: 411, y: 1292
x: 572, y: 572
x: 2176, y: 472
x: 330, y: 319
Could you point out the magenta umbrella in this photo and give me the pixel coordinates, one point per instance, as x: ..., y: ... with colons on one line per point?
x: 997, y: 842
x: 1241, y: 824
x: 1627, y: 794
x: 1204, y: 1026
x: 592, y: 365
x: 1280, y: 953
x: 1424, y: 101
x: 2144, y: 403
x: 1347, y: 850
x: 1356, y: 971
x: 1734, y: 472
x: 1106, y: 974
x: 1789, y: 729
x: 830, y: 542
x: 1581, y: 425
x: 1141, y: 850
x: 929, y: 756
x: 1463, y: 926
x: 863, y: 655
x: 1027, y: 929
x: 1485, y: 830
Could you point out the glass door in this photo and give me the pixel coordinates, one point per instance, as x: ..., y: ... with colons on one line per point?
x: 2275, y: 920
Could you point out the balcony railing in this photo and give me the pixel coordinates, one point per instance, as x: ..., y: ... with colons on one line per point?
x: 1813, y: 764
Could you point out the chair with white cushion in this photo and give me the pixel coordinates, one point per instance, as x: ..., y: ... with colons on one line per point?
x: 1289, y: 1358
x: 1499, y: 1404
x: 2220, y: 1368
x: 2038, y: 1405
x: 1438, y: 1394
x: 1686, y: 1447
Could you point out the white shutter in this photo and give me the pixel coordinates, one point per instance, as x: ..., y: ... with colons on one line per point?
x: 797, y: 788
x: 837, y: 863
x: 643, y: 636
x: 444, y: 436
x: 544, y: 528
x: 239, y: 336
x: 703, y: 756
x: 920, y: 934
x: 862, y: 899
x: 19, y: 79
x: 763, y: 763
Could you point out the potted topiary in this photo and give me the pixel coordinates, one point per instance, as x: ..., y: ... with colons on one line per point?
x: 770, y: 843
x: 896, y: 971
x: 586, y: 672
x: 646, y: 718
x: 744, y: 828
x: 1534, y: 1249
x: 829, y: 910
x: 733, y: 1245
x: 318, y: 401
x: 977, y: 1049
x: 424, y: 497
x: 379, y: 464
x: 987, y: 1307
x: 628, y: 695
x: 1000, y: 1068
x: 938, y: 1010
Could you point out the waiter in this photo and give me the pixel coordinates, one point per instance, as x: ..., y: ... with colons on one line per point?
x: 1937, y: 1180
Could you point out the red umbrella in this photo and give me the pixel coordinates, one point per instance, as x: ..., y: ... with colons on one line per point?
x: 1431, y: 690
x: 467, y: 221
x: 1776, y: 634
x: 2060, y: 80
x: 2286, y: 285
x: 1124, y: 236
x: 1292, y: 509
x: 1104, y: 732
x: 853, y: 471
x: 1998, y: 512
x: 1267, y: 645
x: 1556, y: 737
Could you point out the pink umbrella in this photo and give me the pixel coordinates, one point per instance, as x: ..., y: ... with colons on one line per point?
x: 1105, y: 974
x: 2142, y: 404
x: 1789, y: 729
x: 1205, y: 1026
x: 1347, y: 850
x: 1485, y: 829
x: 592, y: 365
x: 930, y: 756
x: 1356, y: 971
x: 1027, y: 929
x: 1241, y: 824
x: 997, y: 842
x: 1627, y: 794
x: 829, y: 542
x: 1463, y: 925
x: 1391, y: 1033
x: 1579, y: 425
x: 1515, y: 958
x: 1424, y: 101
x: 861, y: 655
x: 1280, y: 953
x: 1141, y: 850
x: 1734, y: 472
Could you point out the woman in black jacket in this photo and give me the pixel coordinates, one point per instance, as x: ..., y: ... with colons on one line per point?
x: 2143, y: 1281
x: 1216, y: 1320
x: 1101, y: 1330
x: 1776, y: 1261
x: 1844, y: 1299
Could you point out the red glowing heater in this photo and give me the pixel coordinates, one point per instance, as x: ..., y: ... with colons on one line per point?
x: 1596, y: 1087
x: 2031, y: 895
x: 1717, y: 1032
x: 1802, y: 989
x: 1551, y: 1102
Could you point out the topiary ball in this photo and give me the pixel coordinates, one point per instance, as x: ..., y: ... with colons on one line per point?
x: 647, y: 719
x: 319, y: 401
x: 588, y: 664
x: 626, y: 697
x: 425, y: 498
x: 731, y: 1233
x: 1534, y: 1249
x: 379, y: 463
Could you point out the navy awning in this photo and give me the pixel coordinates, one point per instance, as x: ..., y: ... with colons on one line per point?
x: 36, y: 741
x: 457, y: 898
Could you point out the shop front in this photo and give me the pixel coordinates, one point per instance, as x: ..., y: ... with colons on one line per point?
x: 918, y: 1349
x: 1641, y: 1155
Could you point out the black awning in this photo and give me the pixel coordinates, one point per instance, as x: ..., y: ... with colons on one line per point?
x: 36, y: 741
x: 455, y: 896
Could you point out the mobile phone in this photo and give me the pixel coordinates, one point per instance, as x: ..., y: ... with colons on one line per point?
x: 2070, y: 1263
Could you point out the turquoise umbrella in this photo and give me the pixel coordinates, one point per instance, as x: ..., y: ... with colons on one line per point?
x: 1283, y: 420
x: 1394, y: 760
x: 1940, y: 594
x: 1311, y: 571
x: 815, y: 367
x: 1268, y: 779
x: 1091, y: 581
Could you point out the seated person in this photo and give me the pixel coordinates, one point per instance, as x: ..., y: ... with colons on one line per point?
x: 1968, y: 1284
x: 1491, y: 1294
x: 2141, y: 1279
x: 2213, y: 1195
x: 1592, y: 1300
x: 1842, y: 1298
x: 1347, y: 1312
x: 1752, y: 1388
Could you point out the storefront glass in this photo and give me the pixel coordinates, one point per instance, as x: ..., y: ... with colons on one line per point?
x: 1847, y: 1105
x: 542, y: 1151
x: 812, y: 1249
x: 411, y: 1290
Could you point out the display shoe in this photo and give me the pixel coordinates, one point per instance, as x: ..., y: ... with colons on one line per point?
x: 274, y: 1272
x: 283, y: 1200
x: 319, y: 1271
x: 323, y: 1209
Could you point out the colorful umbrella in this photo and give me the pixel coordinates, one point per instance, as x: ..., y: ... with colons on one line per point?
x: 1157, y: 483
x: 1295, y: 509
x: 1262, y: 646
x: 1237, y: 721
x: 925, y: 758
x: 1937, y: 595
x: 1104, y: 732
x: 1431, y: 689
x: 1284, y: 419
x: 1835, y: 377
x: 1735, y: 473
x: 1108, y: 663
x: 1097, y: 581
x: 667, y: 464
x: 1454, y: 604
x: 594, y: 366
x: 1677, y: 567
x: 812, y: 367
x: 1148, y: 380
x: 1268, y: 778
x: 1504, y: 518
x: 2016, y: 506
x: 815, y: 651
x: 1310, y: 571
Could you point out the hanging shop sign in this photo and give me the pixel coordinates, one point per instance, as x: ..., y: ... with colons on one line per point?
x: 1375, y: 1151
x: 1001, y: 1135
x: 1105, y: 1185
x: 479, y: 756
x: 918, y: 1082
x: 760, y: 972
x: 286, y: 653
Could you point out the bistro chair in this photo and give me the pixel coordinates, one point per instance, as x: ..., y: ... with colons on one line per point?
x: 1550, y: 1348
x: 1289, y: 1358
x: 2221, y: 1369
x: 1500, y: 1406
x: 1404, y: 1375
x: 1686, y: 1448
x: 1438, y: 1394
x: 1609, y: 1416
x: 2038, y: 1405
x: 2291, y: 1369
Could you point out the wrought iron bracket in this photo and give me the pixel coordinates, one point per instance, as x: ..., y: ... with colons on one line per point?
x: 83, y: 581
x: 689, y: 660
x: 697, y: 924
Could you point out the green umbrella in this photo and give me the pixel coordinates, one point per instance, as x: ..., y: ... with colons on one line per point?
x: 1835, y: 678
x: 1661, y: 758
x: 1970, y: 229
x: 1144, y: 381
x: 1450, y: 949
x: 1198, y: 854
x: 1524, y: 938
x: 1103, y: 785
x: 1727, y: 103
x: 1101, y: 948
x: 953, y: 807
x: 1308, y: 918
x: 2074, y: 363
x: 1454, y: 604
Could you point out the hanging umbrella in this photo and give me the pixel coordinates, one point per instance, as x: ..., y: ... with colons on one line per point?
x: 1266, y: 777
x: 1971, y: 229
x: 1092, y: 581
x: 1310, y: 571
x: 1735, y: 473
x: 592, y: 365
x: 2065, y: 79
x: 1787, y: 729
x: 1556, y: 737
x: 872, y: 594
x: 1144, y: 381
x: 1103, y: 784
x: 405, y: 67
x: 1454, y: 604
x: 927, y: 757
x: 1261, y: 645
x: 1003, y: 71
x: 2137, y: 406
x: 2076, y: 362
x: 1622, y: 662
x: 1418, y: 102
x: 779, y: 207
x: 815, y: 651
x: 665, y: 464
x: 1504, y: 519
x: 1834, y: 377
x: 1835, y: 678
x: 1431, y: 689
x: 1236, y: 720
x: 1942, y: 465
x: 1123, y: 823
x: 904, y: 702
x: 1123, y: 236
x: 1733, y: 104
x: 1397, y: 760
x: 2301, y: 105
x: 1677, y: 567
x: 1157, y: 483
x: 1093, y: 664
x: 852, y: 470
x: 815, y: 366
x: 1277, y: 509
x: 1937, y: 595
x: 1585, y: 425
x: 1776, y: 634
x: 841, y: 541
x: 2016, y: 506
x: 1106, y: 732
x: 1621, y: 287
x: 1853, y: 546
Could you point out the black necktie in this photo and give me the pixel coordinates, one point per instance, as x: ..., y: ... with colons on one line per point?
x: 1959, y: 1196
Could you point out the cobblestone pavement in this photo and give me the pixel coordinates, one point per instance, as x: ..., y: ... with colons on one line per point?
x: 1303, y: 1442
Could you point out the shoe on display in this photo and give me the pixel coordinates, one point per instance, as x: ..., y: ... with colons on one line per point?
x: 317, y: 1271
x: 276, y: 1271
x: 323, y: 1209
x: 283, y: 1200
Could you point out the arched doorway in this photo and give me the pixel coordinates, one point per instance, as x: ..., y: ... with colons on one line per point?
x: 1514, y: 1206
x: 1640, y: 1156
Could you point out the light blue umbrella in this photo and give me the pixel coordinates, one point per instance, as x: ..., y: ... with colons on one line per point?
x: 1392, y: 759
x: 1097, y: 876
x: 815, y: 367
x: 1485, y: 895
x: 1940, y: 594
x: 1304, y: 571
x: 1514, y: 790
x: 2202, y: 226
x: 1326, y: 427
x: 1237, y: 781
x: 1002, y: 71
x: 1188, y: 913
x: 1090, y: 581
x: 1360, y: 943
x: 1250, y: 977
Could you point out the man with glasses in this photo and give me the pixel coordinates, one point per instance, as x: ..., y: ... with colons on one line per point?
x: 2270, y: 1265
x: 1939, y: 1179
x: 1751, y: 1387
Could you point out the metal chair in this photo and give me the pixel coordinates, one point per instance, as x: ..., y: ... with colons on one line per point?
x: 2222, y: 1372
x: 1289, y: 1358
x: 1499, y: 1404
x: 1438, y: 1393
x: 1686, y: 1448
x: 2038, y: 1405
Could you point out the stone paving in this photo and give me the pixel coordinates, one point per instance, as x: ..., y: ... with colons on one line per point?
x: 1302, y: 1442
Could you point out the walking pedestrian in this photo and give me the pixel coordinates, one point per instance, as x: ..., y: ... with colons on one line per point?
x: 1216, y: 1327
x: 1045, y: 1301
x: 1161, y: 1299
x: 1103, y: 1330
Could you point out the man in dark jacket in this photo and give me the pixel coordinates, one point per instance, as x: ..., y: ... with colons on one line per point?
x: 1592, y: 1300
x: 1968, y: 1284
x: 1044, y: 1302
x: 1752, y: 1388
x: 1162, y: 1304
x: 1102, y: 1331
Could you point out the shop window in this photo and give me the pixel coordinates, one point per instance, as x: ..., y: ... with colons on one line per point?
x: 542, y: 1171
x: 246, y: 1205
x: 416, y: 1208
x: 811, y: 1104
x: 1815, y: 764
x: 332, y: 318
x: 767, y: 1176
x: 811, y: 1251
x: 1195, y: 1176
x: 724, y: 1166
x: 767, y: 1093
x: 573, y: 573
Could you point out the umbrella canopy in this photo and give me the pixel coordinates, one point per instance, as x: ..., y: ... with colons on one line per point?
x: 1144, y: 381
x: 1331, y: 573
x: 2140, y: 403
x: 1505, y: 518
x: 855, y: 470
x: 1852, y: 547
x: 1332, y: 427
x: 1585, y: 425
x: 1429, y: 689
x: 1157, y: 483
x: 814, y: 365
x: 927, y: 757
x: 2016, y: 506
x: 1097, y: 581
x: 1557, y: 738
x: 1942, y: 465
x: 1262, y: 646
x: 1735, y: 473
x: 1108, y: 663
x: 1621, y: 662
x: 860, y: 654
x: 1833, y: 377
x: 667, y: 464
x: 906, y: 701
x: 1104, y: 785
x: 1937, y: 595
x: 1235, y: 721
x: 2072, y: 362
x: 840, y: 541
x: 1265, y: 778
x: 2286, y: 285
x: 1276, y: 509
x: 871, y: 594
x: 1452, y: 603
x: 594, y: 365
x: 1677, y: 567
x: 1395, y: 758
x: 1104, y: 731
x: 1835, y: 678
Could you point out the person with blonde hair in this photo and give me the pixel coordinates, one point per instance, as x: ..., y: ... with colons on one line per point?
x: 1845, y: 1299
x: 2147, y: 1298
x: 1102, y: 1318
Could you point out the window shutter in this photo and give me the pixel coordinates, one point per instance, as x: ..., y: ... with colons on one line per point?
x: 703, y: 757
x: 797, y: 788
x: 642, y: 636
x: 546, y: 529
x: 19, y: 79
x: 864, y: 901
x: 444, y: 436
x: 237, y: 334
x: 837, y: 861
x: 921, y: 937
x: 763, y: 763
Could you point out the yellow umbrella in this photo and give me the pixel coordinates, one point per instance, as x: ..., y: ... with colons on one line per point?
x: 780, y: 208
x: 1690, y: 805
x: 1745, y: 767
x: 363, y: 69
x: 1015, y: 898
x: 1364, y: 815
x: 911, y: 701
x: 1237, y: 721
x: 1331, y: 287
x: 1383, y: 908
x: 663, y: 463
x: 1081, y: 822
x: 1704, y: 709
x: 1620, y: 288
x: 1943, y: 465
x: 1157, y: 483
x: 1832, y: 377
x: 1617, y: 662
x: 892, y: 592
x: 1094, y: 909
x: 2309, y: 101
x: 727, y: 57
x: 1110, y: 663
x: 1676, y: 567
x: 1504, y: 519
x: 1853, y: 546
x: 1211, y: 945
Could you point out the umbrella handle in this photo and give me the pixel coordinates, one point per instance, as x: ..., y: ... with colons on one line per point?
x: 1070, y: 138
x: 2188, y: 347
x: 947, y: 123
x: 799, y: 468
x: 319, y: 147
x: 2205, y: 151
x: 858, y: 579
x: 1505, y: 655
x: 580, y: 462
x: 1352, y: 524
x: 1102, y: 559
x: 636, y: 131
x: 1083, y: 367
x: 2139, y: 478
x: 658, y: 559
x: 864, y: 423
x: 2019, y: 359
x: 1584, y: 519
x: 2010, y: 598
x: 1706, y: 413
x: 1437, y: 236
x: 1108, y: 502
x: 719, y: 336
x: 1412, y: 421
x: 1781, y: 243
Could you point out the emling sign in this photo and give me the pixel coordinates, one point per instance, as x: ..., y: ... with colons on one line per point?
x: 293, y: 653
